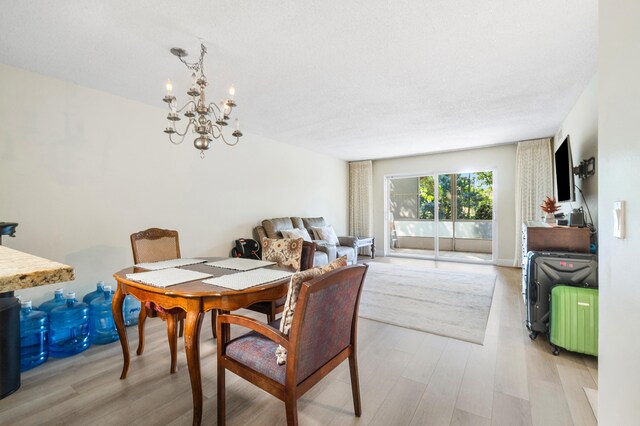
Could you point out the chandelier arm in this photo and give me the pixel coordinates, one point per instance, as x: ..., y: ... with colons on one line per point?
x: 229, y: 143
x: 225, y: 140
x: 219, y: 115
x: 191, y: 102
x: 216, y: 133
x: 227, y: 107
x: 176, y: 142
x: 213, y: 128
x: 186, y: 130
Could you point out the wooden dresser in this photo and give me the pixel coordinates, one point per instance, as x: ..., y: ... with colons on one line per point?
x: 540, y: 236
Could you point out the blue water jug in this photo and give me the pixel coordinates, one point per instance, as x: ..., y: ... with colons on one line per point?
x: 58, y: 300
x: 102, y: 328
x: 69, y: 328
x: 34, y: 331
x: 99, y: 291
x: 130, y: 310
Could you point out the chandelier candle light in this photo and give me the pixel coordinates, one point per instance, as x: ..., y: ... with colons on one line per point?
x: 207, y: 121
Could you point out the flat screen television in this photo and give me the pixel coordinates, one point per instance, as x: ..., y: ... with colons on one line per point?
x: 564, y: 172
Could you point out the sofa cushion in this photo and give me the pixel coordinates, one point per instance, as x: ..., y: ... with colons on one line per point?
x: 273, y: 227
x: 297, y: 222
x: 283, y: 251
x: 326, y: 233
x: 296, y: 233
x: 295, y: 283
x: 310, y: 222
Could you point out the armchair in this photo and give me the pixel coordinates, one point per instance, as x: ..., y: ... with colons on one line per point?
x: 323, y: 334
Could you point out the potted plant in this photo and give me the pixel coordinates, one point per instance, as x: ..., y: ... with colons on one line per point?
x: 549, y: 206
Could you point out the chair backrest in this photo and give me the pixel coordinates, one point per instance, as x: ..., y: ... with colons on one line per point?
x: 308, y: 252
x: 325, y: 320
x: 154, y: 244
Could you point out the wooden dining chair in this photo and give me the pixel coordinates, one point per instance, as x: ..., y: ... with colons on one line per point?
x: 322, y: 335
x: 274, y: 307
x: 154, y: 245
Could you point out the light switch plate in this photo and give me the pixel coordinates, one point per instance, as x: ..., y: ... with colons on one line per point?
x: 618, y: 219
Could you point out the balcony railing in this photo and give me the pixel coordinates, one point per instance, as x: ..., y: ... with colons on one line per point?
x: 470, y: 229
x: 459, y: 235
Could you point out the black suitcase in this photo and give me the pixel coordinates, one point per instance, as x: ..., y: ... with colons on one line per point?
x: 545, y: 270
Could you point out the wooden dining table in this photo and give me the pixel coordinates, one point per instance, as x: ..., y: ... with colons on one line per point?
x: 195, y: 298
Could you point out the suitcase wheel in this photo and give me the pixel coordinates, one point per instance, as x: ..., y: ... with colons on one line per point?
x: 533, y: 335
x: 556, y: 350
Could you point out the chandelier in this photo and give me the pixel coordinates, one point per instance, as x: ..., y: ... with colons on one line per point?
x: 206, y: 121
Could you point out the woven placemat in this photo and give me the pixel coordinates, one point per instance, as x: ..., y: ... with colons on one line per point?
x: 171, y: 263
x: 167, y: 277
x: 240, y: 264
x: 242, y: 280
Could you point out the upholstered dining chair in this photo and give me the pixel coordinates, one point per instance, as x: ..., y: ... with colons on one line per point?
x: 274, y: 307
x: 322, y: 335
x: 154, y: 245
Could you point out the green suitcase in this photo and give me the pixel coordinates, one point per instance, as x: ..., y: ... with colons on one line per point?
x: 574, y: 319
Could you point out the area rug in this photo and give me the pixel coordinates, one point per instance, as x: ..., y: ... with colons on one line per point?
x: 449, y: 303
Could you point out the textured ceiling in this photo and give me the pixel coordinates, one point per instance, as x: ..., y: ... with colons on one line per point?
x: 359, y: 79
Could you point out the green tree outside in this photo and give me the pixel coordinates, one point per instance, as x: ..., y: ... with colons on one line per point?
x: 474, y: 196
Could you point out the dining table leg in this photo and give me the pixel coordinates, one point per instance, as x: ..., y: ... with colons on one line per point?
x: 116, y: 307
x: 172, y: 334
x: 192, y: 348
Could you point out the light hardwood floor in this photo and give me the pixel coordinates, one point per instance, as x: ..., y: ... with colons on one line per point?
x: 407, y: 378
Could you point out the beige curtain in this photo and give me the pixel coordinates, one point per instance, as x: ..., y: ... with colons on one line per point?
x: 534, y: 181
x: 360, y: 200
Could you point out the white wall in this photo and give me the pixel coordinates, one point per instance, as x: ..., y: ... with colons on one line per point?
x: 81, y: 170
x: 619, y: 160
x: 500, y: 159
x: 581, y: 124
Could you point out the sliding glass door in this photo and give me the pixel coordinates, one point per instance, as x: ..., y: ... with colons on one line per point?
x: 442, y: 215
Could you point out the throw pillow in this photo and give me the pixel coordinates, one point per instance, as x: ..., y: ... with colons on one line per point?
x: 292, y: 298
x: 327, y: 234
x: 296, y: 233
x: 285, y: 252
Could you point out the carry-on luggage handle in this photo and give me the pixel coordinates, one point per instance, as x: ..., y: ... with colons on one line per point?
x: 533, y: 294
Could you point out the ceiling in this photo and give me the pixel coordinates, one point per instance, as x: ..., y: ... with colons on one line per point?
x: 360, y: 79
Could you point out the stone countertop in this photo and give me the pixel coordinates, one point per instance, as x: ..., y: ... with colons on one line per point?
x: 20, y: 270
